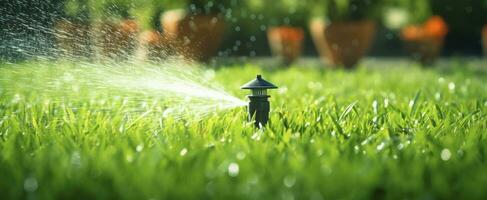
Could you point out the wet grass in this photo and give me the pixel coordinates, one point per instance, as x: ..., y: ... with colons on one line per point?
x: 374, y: 132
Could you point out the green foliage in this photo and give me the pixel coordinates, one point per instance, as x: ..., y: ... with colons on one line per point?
x: 417, y: 11
x: 380, y: 131
x: 196, y: 7
x: 286, y: 12
x: 117, y: 9
x: 76, y: 10
x: 347, y: 10
x: 148, y: 13
x: 484, y: 9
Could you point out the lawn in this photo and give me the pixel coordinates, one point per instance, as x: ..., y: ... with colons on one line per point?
x: 385, y: 130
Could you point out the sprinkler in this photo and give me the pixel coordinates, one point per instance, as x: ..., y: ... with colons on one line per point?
x: 259, y: 106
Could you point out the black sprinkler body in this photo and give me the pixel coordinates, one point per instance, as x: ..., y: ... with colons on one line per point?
x: 259, y: 106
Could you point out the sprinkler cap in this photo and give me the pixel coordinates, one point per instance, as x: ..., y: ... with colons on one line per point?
x: 258, y: 83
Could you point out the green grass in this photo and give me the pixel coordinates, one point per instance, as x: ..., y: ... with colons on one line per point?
x: 393, y: 132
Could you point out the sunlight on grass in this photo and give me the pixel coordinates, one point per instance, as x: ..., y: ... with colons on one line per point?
x: 373, y: 132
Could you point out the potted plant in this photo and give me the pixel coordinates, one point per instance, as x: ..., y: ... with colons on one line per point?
x: 285, y: 34
x: 152, y: 43
x: 72, y: 31
x: 422, y: 33
x: 197, y: 30
x: 286, y: 42
x: 345, y: 34
x: 425, y: 42
x: 116, y: 29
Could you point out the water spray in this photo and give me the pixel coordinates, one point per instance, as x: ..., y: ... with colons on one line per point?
x: 259, y: 106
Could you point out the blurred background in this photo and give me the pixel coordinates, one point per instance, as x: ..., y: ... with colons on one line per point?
x: 340, y: 31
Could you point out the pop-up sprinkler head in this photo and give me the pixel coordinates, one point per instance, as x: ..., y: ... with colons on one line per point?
x: 259, y: 107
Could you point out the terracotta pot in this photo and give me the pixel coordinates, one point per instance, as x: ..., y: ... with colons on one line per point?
x: 196, y: 37
x: 424, y: 50
x: 425, y: 42
x: 342, y: 43
x: 286, y: 42
x: 152, y: 46
x: 484, y: 39
x: 117, y: 39
x: 72, y: 38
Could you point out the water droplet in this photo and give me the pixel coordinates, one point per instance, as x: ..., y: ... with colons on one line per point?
x: 139, y: 147
x: 253, y: 38
x: 240, y: 155
x: 289, y: 181
x: 437, y: 96
x: 76, y: 159
x: 411, y: 103
x: 319, y: 152
x: 374, y: 106
x: 441, y: 80
x: 183, y: 152
x: 233, y: 169
x: 256, y: 136
x: 214, y: 20
x: 381, y: 146
x: 326, y: 169
x: 386, y: 103
x: 210, y: 145
x: 460, y: 153
x: 282, y: 90
x: 451, y: 86
x: 129, y: 158
x: 16, y: 99
x: 252, y: 53
x: 445, y: 154
x: 30, y: 184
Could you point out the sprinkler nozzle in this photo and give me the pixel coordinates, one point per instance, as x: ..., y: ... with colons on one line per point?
x: 259, y: 106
